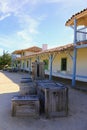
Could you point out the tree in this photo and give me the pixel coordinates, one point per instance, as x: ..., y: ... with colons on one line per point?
x: 5, y: 60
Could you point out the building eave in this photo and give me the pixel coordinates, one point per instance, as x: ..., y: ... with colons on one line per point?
x: 81, y: 18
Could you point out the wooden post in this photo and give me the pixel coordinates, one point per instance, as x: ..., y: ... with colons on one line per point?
x: 38, y: 59
x: 74, y: 54
x: 24, y: 65
x: 30, y: 66
x: 50, y: 58
x: 21, y: 65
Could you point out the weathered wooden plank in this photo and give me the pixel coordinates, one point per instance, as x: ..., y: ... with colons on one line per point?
x: 55, y: 99
x: 38, y: 70
x: 25, y: 105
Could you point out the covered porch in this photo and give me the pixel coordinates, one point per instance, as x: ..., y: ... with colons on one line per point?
x: 78, y: 23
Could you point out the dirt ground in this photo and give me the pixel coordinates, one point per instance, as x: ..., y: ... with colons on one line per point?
x: 9, y: 86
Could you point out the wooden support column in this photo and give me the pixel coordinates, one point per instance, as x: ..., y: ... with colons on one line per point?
x: 74, y: 54
x: 17, y: 64
x: 30, y: 66
x: 24, y: 65
x: 21, y: 66
x: 50, y: 59
x: 38, y: 58
x: 11, y: 59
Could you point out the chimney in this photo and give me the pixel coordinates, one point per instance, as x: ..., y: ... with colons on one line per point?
x: 44, y: 47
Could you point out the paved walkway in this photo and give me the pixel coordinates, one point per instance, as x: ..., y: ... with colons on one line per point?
x: 9, y: 86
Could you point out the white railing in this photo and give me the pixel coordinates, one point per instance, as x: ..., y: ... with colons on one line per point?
x: 81, y: 34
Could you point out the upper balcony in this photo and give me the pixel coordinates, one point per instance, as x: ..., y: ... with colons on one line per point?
x: 82, y: 34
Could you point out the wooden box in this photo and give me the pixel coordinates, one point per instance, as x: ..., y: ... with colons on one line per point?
x: 38, y: 70
x: 27, y: 89
x: 53, y: 99
x: 25, y: 106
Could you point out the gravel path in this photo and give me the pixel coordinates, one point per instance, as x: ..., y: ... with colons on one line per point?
x: 9, y: 86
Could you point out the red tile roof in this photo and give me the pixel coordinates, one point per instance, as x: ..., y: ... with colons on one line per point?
x: 53, y: 50
x: 81, y: 18
x: 31, y: 49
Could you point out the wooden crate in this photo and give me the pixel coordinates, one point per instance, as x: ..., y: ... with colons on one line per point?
x: 27, y: 89
x: 56, y: 102
x: 39, y: 82
x: 25, y: 106
x: 53, y: 99
x: 38, y: 70
x: 26, y: 80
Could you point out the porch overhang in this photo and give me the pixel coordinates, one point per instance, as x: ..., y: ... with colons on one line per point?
x: 81, y: 18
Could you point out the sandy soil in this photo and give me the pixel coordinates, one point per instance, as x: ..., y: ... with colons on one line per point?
x: 9, y: 86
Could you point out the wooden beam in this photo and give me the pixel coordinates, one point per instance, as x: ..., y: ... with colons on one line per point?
x: 30, y: 66
x: 38, y: 58
x: 70, y: 55
x: 54, y: 56
x: 81, y: 32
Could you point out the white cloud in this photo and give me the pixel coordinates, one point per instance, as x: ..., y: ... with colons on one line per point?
x: 53, y: 1
x: 64, y: 1
x: 17, y: 8
x: 25, y: 36
x: 69, y: 6
x: 12, y: 6
x: 33, y: 26
x: 4, y: 16
x: 29, y: 23
x: 6, y: 42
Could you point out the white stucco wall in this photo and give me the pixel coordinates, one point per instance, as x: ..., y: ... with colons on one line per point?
x: 26, y: 53
x: 57, y: 62
x: 81, y: 67
x: 82, y: 62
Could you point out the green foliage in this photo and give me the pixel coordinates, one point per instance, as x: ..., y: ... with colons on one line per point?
x: 46, y: 64
x: 5, y: 60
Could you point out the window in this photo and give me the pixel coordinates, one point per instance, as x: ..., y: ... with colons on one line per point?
x: 63, y: 64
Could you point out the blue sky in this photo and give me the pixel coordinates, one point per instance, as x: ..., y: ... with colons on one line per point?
x: 26, y: 23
